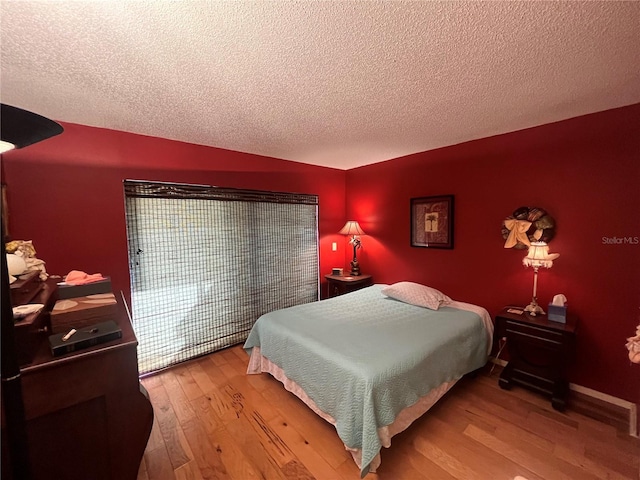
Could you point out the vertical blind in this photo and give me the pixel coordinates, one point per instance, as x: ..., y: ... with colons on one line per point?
x: 205, y: 262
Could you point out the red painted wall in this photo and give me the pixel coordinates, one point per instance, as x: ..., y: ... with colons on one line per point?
x: 66, y: 193
x: 584, y: 171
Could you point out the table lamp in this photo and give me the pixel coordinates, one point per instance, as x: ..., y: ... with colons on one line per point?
x: 537, y: 257
x: 352, y: 228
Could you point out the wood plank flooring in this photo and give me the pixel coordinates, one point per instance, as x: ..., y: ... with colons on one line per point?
x: 212, y: 421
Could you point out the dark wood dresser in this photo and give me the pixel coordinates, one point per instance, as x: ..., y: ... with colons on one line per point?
x: 87, y: 416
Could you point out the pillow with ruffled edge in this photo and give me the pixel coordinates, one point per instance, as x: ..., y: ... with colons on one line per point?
x: 416, y: 294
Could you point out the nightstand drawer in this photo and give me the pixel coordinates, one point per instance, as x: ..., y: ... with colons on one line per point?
x: 533, y: 334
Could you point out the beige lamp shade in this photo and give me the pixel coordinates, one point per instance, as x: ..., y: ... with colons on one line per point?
x: 539, y: 256
x: 351, y: 228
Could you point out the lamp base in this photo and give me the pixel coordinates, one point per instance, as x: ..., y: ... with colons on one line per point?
x: 355, y: 268
x: 533, y: 308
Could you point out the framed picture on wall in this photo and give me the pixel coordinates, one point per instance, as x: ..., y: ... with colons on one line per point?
x: 432, y: 222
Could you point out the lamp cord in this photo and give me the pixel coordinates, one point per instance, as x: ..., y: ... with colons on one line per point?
x: 503, y: 341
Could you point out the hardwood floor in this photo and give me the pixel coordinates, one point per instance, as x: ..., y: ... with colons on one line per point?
x: 212, y: 421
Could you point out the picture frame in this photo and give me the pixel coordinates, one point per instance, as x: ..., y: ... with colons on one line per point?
x: 432, y: 222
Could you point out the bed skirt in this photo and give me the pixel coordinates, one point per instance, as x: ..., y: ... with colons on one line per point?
x: 260, y: 364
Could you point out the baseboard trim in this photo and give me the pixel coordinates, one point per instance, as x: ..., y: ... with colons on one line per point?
x: 614, y: 411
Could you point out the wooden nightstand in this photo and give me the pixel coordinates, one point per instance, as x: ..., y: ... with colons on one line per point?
x: 339, y: 285
x: 539, y: 350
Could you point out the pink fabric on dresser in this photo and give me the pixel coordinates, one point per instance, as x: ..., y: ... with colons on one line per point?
x: 76, y: 277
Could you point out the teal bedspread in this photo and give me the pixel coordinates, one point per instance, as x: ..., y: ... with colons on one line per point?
x: 363, y: 357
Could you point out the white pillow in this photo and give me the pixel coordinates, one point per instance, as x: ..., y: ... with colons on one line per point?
x: 416, y: 294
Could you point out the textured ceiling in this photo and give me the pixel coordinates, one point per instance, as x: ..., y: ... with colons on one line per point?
x: 335, y: 83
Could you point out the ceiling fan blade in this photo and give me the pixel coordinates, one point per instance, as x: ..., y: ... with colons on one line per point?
x: 22, y: 128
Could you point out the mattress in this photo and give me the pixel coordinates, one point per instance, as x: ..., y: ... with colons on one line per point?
x: 363, y: 358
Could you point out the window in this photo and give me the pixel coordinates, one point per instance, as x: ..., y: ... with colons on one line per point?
x: 206, y: 262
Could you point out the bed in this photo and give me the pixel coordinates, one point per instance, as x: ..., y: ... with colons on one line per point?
x: 371, y: 361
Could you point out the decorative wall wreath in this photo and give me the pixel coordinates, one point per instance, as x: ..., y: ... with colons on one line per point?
x: 526, y: 225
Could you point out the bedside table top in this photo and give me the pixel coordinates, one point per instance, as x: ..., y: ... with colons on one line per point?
x: 539, y: 320
x: 347, y: 278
